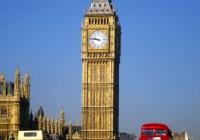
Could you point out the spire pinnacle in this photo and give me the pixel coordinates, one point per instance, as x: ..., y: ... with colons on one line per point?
x: 17, y: 74
x: 62, y: 111
x: 2, y: 73
x: 27, y: 78
x: 2, y: 83
x: 17, y: 82
x: 2, y: 76
x: 17, y: 70
x: 2, y: 70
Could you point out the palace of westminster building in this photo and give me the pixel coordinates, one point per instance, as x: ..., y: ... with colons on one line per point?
x: 100, y: 54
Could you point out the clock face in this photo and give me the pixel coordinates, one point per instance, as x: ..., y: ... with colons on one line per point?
x: 98, y: 39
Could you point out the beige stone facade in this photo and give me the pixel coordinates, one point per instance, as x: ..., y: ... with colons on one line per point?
x: 100, y: 72
x: 14, y: 105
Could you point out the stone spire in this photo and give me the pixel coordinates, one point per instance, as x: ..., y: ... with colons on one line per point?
x: 62, y: 117
x: 40, y: 112
x: 98, y: 7
x: 3, y: 83
x: 40, y: 122
x: 70, y: 131
x: 17, y: 82
x: 2, y: 76
x: 26, y: 86
x: 62, y: 120
x: 27, y: 78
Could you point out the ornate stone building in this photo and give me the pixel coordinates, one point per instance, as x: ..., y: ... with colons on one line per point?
x: 73, y: 132
x: 14, y: 105
x: 14, y: 110
x: 100, y: 71
x: 49, y: 125
x: 181, y: 136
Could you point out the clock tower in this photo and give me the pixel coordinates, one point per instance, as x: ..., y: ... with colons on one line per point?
x: 100, y: 71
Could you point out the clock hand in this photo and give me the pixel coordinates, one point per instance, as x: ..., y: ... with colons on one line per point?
x: 95, y: 39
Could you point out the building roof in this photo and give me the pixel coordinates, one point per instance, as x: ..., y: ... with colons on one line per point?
x: 100, y: 7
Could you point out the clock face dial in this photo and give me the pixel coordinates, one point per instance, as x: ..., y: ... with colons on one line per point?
x: 98, y: 39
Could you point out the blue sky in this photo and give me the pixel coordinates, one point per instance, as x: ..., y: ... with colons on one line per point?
x: 159, y: 70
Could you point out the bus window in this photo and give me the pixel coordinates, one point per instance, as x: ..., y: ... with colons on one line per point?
x: 160, y: 132
x: 148, y: 132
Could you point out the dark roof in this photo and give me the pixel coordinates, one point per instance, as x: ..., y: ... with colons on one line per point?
x: 40, y: 112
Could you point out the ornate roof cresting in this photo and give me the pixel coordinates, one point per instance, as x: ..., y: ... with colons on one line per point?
x: 100, y: 7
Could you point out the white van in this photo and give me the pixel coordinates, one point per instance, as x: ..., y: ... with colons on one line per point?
x: 30, y: 135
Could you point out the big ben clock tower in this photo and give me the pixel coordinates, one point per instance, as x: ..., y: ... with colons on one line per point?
x: 100, y: 72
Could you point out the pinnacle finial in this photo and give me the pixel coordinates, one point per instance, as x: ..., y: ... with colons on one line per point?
x: 17, y: 82
x: 62, y: 110
x: 40, y: 111
x: 17, y: 73
x: 2, y: 72
x: 27, y: 78
x: 2, y: 76
x: 17, y: 69
x: 27, y: 74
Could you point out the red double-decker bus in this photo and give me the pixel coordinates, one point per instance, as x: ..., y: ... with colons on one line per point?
x: 155, y: 131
